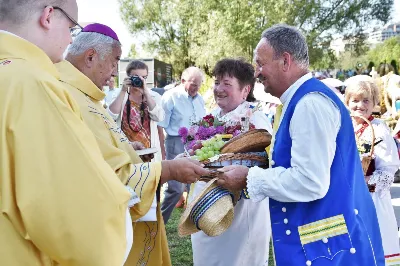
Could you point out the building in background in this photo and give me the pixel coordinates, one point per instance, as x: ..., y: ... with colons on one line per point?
x: 379, y: 35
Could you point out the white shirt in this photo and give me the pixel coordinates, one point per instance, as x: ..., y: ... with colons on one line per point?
x: 386, y: 156
x: 180, y: 110
x: 111, y: 95
x: 313, y: 128
x: 258, y: 118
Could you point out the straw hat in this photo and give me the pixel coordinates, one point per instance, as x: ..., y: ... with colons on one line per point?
x: 255, y: 140
x: 211, y: 211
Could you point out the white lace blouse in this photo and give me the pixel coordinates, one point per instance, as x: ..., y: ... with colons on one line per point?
x: 257, y: 118
x: 387, y: 160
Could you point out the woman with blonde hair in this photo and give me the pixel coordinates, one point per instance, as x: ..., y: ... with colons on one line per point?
x: 361, y: 97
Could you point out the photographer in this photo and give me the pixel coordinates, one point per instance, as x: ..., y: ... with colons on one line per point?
x: 137, y: 110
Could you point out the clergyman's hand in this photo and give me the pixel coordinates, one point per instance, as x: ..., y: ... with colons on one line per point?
x: 234, y: 177
x: 184, y: 170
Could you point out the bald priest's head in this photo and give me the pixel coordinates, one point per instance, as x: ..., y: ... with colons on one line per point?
x: 96, y: 51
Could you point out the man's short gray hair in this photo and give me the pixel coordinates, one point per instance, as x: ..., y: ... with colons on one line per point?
x: 92, y: 40
x: 18, y: 12
x: 191, y: 72
x: 284, y: 38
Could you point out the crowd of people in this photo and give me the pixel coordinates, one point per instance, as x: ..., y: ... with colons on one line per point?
x: 74, y: 190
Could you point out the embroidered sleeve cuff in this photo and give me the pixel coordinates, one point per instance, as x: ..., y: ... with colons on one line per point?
x: 383, y: 181
x: 256, y: 184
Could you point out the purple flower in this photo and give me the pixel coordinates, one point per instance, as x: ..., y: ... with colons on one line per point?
x: 183, y: 132
x: 220, y: 129
x: 202, y: 133
x: 190, y: 144
x: 237, y: 132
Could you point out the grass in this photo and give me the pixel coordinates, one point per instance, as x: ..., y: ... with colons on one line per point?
x: 180, y: 248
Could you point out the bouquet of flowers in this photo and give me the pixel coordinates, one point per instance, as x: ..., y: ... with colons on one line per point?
x: 206, y: 137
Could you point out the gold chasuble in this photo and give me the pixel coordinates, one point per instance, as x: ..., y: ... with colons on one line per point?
x: 60, y: 202
x: 150, y: 246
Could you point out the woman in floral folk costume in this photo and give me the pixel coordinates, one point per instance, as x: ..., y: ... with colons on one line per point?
x: 246, y: 242
x: 361, y: 97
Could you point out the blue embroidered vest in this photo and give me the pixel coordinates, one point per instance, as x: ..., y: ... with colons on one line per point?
x: 340, y: 229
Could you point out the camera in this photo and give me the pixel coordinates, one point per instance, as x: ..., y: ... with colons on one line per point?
x: 136, y: 82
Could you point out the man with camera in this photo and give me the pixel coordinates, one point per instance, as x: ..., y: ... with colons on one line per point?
x: 91, y: 61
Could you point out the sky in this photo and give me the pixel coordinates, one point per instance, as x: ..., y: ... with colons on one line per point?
x: 107, y: 12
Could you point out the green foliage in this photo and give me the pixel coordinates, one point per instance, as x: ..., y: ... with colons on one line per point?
x: 200, y: 32
x: 326, y: 58
x: 133, y: 53
x: 348, y: 60
x: 386, y: 52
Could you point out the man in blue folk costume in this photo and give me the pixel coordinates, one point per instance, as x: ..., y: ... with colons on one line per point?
x: 321, y: 210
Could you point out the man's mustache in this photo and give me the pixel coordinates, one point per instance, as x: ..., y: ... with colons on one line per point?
x: 261, y: 78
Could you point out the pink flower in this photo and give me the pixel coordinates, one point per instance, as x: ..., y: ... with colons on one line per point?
x: 193, y: 130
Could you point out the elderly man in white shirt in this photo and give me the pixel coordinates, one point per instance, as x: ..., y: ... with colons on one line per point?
x: 182, y: 105
x: 111, y: 93
x: 321, y: 212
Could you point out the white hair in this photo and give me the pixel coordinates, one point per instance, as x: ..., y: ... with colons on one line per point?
x: 92, y: 40
x: 191, y: 72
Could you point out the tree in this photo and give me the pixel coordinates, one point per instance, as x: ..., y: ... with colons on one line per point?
x: 133, y: 53
x: 386, y: 52
x: 327, y: 58
x: 188, y: 32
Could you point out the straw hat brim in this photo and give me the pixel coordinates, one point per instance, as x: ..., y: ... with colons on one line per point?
x: 216, y: 220
x: 255, y: 140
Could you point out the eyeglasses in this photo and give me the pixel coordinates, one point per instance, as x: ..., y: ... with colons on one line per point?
x: 76, y: 26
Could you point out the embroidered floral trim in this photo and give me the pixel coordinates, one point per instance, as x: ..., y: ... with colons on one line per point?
x: 383, y: 181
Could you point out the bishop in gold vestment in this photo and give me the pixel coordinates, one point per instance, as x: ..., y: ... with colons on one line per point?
x: 150, y: 246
